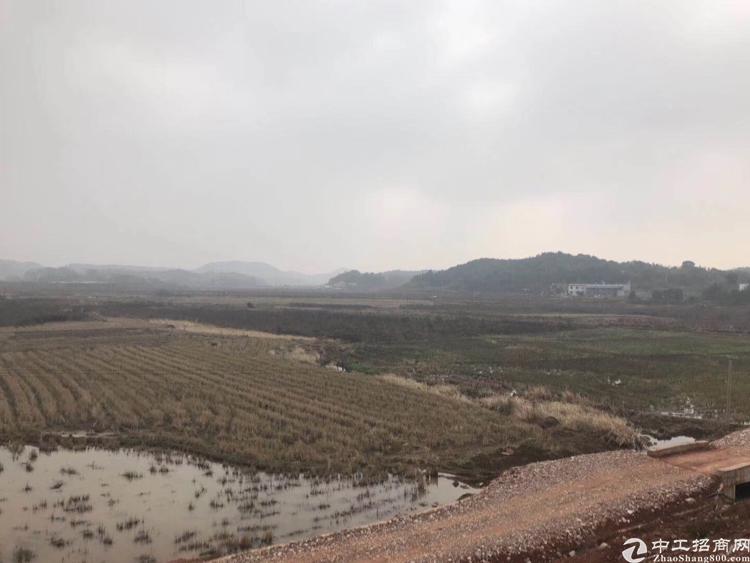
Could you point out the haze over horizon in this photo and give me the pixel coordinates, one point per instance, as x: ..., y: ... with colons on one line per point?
x: 334, y: 271
x: 383, y: 135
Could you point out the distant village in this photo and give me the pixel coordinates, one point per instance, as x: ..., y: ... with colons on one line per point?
x: 604, y: 290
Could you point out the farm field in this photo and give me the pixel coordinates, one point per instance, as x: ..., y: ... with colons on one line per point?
x: 308, y: 392
x: 266, y: 444
x: 631, y: 359
x: 243, y: 399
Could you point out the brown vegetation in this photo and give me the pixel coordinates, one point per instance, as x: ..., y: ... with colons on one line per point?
x: 230, y: 398
x: 540, y: 406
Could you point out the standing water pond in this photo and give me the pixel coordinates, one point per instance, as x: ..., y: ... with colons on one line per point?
x: 121, y: 506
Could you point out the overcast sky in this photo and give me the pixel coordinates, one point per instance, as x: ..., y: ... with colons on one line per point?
x: 376, y: 135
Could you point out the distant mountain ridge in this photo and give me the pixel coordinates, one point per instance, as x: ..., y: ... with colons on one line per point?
x: 268, y: 273
x: 123, y: 276
x: 539, y: 272
x: 216, y: 275
x: 371, y: 281
x: 116, y: 267
x: 13, y: 269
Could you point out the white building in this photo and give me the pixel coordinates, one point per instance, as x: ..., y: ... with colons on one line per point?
x: 599, y: 289
x: 744, y: 286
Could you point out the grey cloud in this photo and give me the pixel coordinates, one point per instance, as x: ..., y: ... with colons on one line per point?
x: 371, y: 134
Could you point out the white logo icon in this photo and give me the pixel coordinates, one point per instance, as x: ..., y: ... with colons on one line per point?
x: 636, y: 552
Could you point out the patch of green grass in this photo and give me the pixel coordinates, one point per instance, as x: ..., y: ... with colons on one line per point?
x: 631, y: 368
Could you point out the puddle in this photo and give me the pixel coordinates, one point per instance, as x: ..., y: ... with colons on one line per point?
x: 669, y: 442
x: 124, y: 506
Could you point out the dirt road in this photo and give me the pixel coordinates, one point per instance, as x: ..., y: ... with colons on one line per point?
x: 541, y: 511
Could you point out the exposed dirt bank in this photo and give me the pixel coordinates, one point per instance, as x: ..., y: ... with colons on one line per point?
x: 537, y: 512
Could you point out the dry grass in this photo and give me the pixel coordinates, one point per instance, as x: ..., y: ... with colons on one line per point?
x: 570, y: 412
x: 230, y: 398
x: 212, y: 330
x: 442, y: 390
x: 541, y: 406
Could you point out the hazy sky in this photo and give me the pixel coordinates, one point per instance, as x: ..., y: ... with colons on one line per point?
x: 316, y: 135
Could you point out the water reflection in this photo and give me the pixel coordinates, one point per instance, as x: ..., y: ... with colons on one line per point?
x: 122, y: 506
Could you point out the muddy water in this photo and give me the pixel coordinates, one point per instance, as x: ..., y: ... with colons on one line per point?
x: 669, y: 442
x: 125, y: 506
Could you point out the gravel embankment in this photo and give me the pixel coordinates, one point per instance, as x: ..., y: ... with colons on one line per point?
x: 739, y: 439
x: 528, y: 511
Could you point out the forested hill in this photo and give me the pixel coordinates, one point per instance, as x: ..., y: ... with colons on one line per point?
x: 540, y: 272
